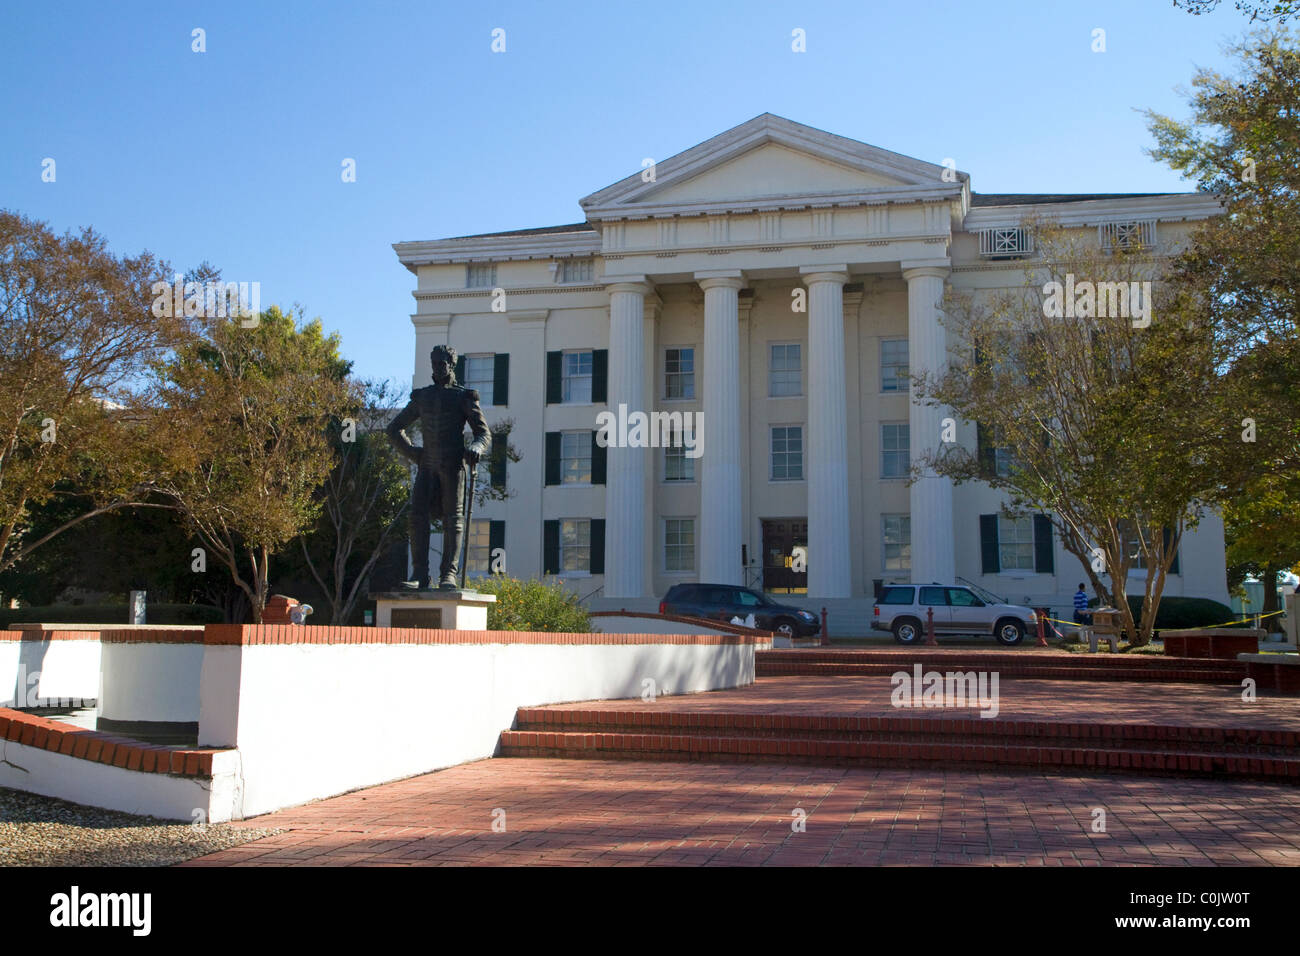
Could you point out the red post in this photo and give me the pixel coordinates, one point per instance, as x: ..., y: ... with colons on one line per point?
x: 1042, y: 626
x: 826, y: 636
x: 929, y: 627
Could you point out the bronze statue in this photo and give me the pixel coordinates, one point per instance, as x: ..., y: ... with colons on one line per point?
x: 443, y: 410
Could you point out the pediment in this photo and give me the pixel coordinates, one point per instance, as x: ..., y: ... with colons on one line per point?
x: 767, y: 158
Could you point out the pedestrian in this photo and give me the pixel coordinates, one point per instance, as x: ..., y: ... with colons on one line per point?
x: 1081, y: 613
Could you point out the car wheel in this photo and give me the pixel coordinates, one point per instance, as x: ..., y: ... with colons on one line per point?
x: 786, y: 628
x: 1010, y: 632
x: 907, y: 631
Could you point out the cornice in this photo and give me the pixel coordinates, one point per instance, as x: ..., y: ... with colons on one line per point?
x: 885, y: 195
x: 1091, y: 212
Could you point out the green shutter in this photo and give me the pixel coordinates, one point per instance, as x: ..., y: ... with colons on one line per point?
x: 554, y: 378
x: 550, y: 547
x: 599, y: 459
x: 990, y: 563
x: 600, y: 376
x: 501, y: 378
x: 460, y: 370
x: 553, y: 458
x: 496, y: 539
x: 1169, y: 536
x: 497, y: 460
x: 597, y: 545
x: 985, y: 452
x: 1044, y: 551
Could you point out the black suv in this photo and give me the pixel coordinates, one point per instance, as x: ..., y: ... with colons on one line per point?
x: 722, y: 602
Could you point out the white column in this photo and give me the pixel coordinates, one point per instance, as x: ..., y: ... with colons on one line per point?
x: 625, y: 472
x: 933, y: 550
x: 720, y: 490
x: 826, y: 457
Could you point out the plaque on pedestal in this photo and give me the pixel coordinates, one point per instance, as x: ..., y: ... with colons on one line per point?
x: 453, y: 610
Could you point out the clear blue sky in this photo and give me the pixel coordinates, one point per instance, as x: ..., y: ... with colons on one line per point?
x: 234, y: 155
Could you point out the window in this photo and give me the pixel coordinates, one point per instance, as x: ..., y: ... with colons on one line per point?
x: 933, y: 597
x: 994, y: 458
x: 678, y: 466
x: 679, y: 544
x: 481, y: 275
x: 747, y: 598
x: 893, y: 365
x: 784, y: 376
x: 896, y: 535
x: 679, y: 373
x: 479, y: 556
x: 577, y: 377
x: 480, y: 373
x: 787, y: 453
x: 896, y: 595
x: 1007, y: 242
x: 1137, y: 560
x: 575, y: 458
x: 960, y: 597
x: 1138, y: 234
x: 575, y: 270
x: 895, y: 450
x: 1015, y: 543
x: 575, y: 544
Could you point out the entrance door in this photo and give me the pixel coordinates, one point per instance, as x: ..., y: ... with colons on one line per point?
x: 784, y: 570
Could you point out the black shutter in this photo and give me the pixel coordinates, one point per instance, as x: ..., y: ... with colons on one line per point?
x: 553, y: 458
x: 597, y: 545
x: 599, y: 459
x: 989, y: 560
x: 554, y: 378
x: 550, y: 547
x: 985, y: 451
x: 600, y: 376
x: 501, y: 378
x: 1169, y: 536
x: 1044, y: 552
x: 497, y: 460
x: 460, y: 370
x: 496, y: 539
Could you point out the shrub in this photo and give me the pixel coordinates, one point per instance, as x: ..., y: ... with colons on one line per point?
x: 1176, y: 613
x: 110, y: 614
x: 531, y: 605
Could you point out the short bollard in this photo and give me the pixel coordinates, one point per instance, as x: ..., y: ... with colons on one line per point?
x: 929, y: 627
x: 826, y: 634
x: 1043, y: 614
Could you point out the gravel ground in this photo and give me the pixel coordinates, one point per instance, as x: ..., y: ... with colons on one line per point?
x: 43, y: 831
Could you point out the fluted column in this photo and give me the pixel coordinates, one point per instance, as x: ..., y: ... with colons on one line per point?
x: 720, y: 489
x: 933, y: 557
x: 625, y: 467
x: 827, y: 458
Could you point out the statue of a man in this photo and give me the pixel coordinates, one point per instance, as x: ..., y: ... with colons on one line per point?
x: 443, y: 410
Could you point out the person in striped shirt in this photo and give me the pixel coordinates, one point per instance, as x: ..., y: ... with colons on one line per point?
x: 1081, y: 615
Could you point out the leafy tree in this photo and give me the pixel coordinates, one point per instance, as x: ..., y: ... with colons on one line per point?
x: 76, y: 337
x: 249, y: 409
x: 1262, y: 526
x: 1280, y: 10
x: 1109, y: 422
x: 532, y: 605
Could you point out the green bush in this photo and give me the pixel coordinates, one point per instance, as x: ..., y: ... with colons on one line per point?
x: 1177, y: 613
x: 110, y: 614
x: 531, y: 605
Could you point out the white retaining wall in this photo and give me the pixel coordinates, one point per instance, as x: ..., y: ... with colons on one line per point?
x: 34, y: 672
x: 156, y: 682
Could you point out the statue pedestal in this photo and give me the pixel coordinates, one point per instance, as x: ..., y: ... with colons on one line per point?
x: 440, y: 610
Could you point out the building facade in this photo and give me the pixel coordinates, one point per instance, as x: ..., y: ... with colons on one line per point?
x: 761, y: 299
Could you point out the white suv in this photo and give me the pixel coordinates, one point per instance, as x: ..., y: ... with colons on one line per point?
x: 958, y: 609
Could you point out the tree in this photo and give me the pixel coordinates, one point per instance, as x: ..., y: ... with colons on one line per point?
x: 1099, y: 403
x: 1281, y: 10
x: 248, y: 410
x: 76, y: 337
x: 1262, y: 526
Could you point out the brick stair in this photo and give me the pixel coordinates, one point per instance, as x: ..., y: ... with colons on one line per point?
x: 1091, y: 667
x: 903, y: 741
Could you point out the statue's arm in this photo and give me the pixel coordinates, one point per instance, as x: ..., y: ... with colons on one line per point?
x: 396, y: 431
x: 481, y: 443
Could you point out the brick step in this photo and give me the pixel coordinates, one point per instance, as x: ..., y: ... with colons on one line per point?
x: 959, y: 658
x: 974, y: 731
x: 641, y: 746
x: 1224, y: 673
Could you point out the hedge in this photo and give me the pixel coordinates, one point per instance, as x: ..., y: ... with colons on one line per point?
x: 110, y: 614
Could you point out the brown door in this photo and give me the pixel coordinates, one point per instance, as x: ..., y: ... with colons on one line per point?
x: 785, y: 570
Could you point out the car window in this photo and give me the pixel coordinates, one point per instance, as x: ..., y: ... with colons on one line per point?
x: 896, y: 595
x: 747, y: 599
x: 718, y: 596
x: 932, y: 597
x: 960, y: 597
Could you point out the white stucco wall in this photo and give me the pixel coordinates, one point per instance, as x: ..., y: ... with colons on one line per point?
x: 63, y: 669
x: 156, y: 682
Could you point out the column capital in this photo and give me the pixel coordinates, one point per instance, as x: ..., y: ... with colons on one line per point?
x: 837, y: 272
x: 720, y: 279
x: 629, y: 283
x: 439, y: 322
x: 934, y: 268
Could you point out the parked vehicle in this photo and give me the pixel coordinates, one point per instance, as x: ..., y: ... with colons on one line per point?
x: 722, y: 602
x: 958, y: 609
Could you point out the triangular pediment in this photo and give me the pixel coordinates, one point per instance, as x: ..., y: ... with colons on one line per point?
x: 766, y: 158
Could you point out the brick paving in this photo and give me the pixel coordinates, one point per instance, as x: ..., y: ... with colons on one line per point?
x: 567, y: 813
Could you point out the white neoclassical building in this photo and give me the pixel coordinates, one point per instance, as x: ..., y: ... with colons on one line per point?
x: 680, y: 293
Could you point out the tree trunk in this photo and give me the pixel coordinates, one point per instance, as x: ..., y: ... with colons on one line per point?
x: 1269, y: 577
